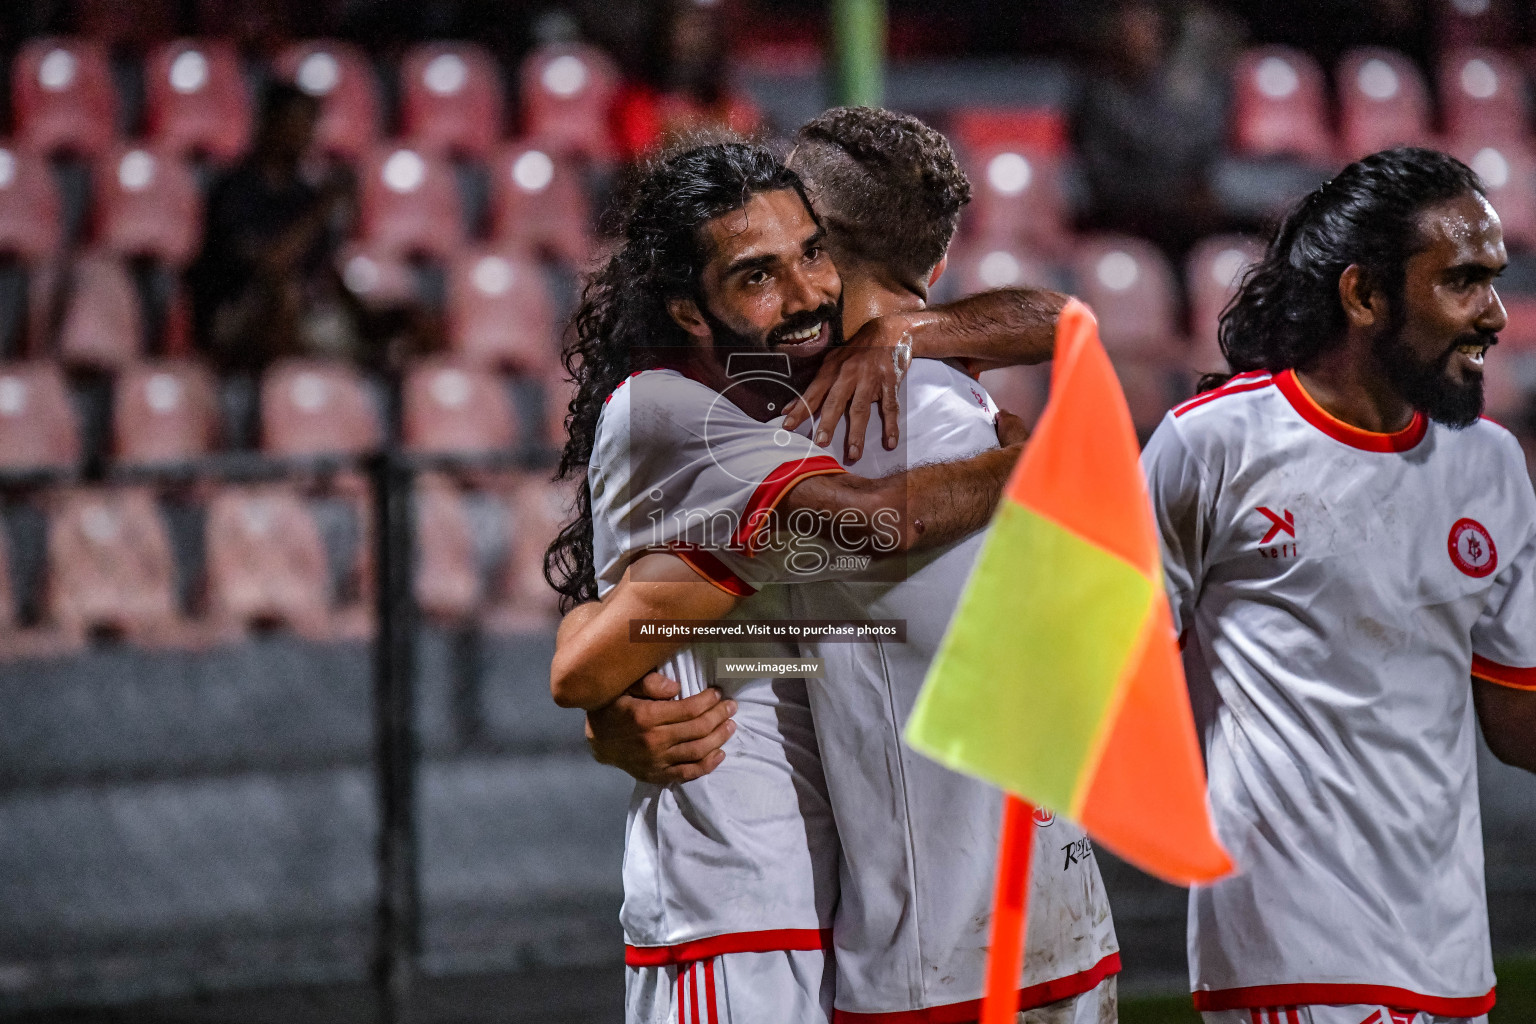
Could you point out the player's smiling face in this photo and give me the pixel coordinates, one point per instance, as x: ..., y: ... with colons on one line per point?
x: 769, y: 284
x: 1433, y: 351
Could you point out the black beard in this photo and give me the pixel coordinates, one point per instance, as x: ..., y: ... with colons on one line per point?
x: 802, y: 370
x: 1426, y: 385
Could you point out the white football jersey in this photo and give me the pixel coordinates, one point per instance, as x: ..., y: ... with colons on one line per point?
x: 920, y: 841
x: 745, y: 858
x: 1335, y: 590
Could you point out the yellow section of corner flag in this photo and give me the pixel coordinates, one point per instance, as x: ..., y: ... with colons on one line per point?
x: 1059, y: 679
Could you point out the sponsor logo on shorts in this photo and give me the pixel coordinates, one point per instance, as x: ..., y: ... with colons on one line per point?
x: 1472, y: 549
x: 1077, y: 852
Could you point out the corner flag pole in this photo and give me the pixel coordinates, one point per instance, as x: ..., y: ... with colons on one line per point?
x: 858, y: 32
x: 1010, y: 912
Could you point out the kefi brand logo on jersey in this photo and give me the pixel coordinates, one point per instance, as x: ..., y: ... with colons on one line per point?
x: 1472, y: 548
x: 1043, y: 817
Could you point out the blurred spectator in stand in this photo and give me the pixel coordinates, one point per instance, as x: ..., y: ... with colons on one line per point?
x: 683, y: 82
x: 264, y: 285
x: 1151, y: 120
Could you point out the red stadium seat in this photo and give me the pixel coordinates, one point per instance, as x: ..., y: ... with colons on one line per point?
x: 63, y: 98
x: 1482, y: 95
x: 537, y: 201
x: 567, y: 91
x: 37, y: 422
x: 450, y: 406
x: 447, y: 579
x: 1280, y: 106
x: 1131, y: 289
x: 29, y: 207
x: 980, y: 265
x: 310, y: 407
x: 1018, y: 196
x: 339, y: 75
x: 265, y: 561
x: 1211, y: 276
x: 1508, y: 171
x: 378, y: 276
x: 409, y: 203
x: 147, y: 203
x: 539, y: 508
x: 195, y: 99
x: 166, y: 411
x: 102, y: 326
x: 499, y: 311
x: 451, y: 99
x: 110, y: 567
x: 1041, y: 130
x: 1383, y: 102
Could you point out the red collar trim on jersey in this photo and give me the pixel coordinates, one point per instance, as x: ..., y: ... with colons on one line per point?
x: 1365, y: 440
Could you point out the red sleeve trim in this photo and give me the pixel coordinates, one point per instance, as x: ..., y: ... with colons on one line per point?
x: 1253, y: 380
x: 967, y: 1012
x: 1504, y: 675
x: 755, y: 518
x: 712, y: 569
x: 769, y: 941
x: 1307, y: 994
x: 1369, y: 441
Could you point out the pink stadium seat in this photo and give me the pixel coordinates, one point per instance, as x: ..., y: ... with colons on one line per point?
x: 110, y: 567
x: 37, y: 422
x: 1482, y: 95
x: 448, y: 585
x: 62, y: 95
x: 409, y: 203
x: 558, y: 392
x: 310, y: 407
x: 165, y: 411
x: 1130, y: 288
x: 101, y: 327
x: 499, y: 311
x: 196, y: 100
x: 980, y: 265
x: 1211, y: 275
x: 1508, y: 171
x: 265, y: 562
x: 1280, y: 106
x: 1041, y: 130
x: 29, y: 207
x: 567, y: 91
x: 450, y: 406
x: 1473, y: 22
x: 1017, y: 195
x: 451, y: 99
x: 539, y: 508
x: 379, y: 276
x: 1383, y: 102
x: 1505, y: 401
x: 147, y: 203
x: 1020, y: 390
x: 537, y: 201
x: 339, y: 75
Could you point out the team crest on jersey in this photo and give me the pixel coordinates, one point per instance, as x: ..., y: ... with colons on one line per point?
x: 1472, y: 549
x: 1043, y: 817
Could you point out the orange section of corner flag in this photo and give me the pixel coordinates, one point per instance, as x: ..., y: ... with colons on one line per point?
x: 1059, y: 679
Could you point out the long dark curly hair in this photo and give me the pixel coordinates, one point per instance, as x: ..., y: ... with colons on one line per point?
x: 1287, y: 310
x: 623, y: 318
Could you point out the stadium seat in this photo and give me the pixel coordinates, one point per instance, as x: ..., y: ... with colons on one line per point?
x: 1020, y: 390
x: 1018, y: 196
x: 340, y: 76
x: 195, y: 99
x: 1473, y: 22
x: 1280, y: 106
x: 556, y: 391
x: 538, y: 201
x: 309, y: 407
x: 148, y: 204
x: 451, y: 406
x: 62, y: 97
x: 110, y: 567
x: 164, y: 412
x: 1506, y: 401
x: 1211, y: 276
x: 1383, y: 102
x: 1131, y: 289
x: 37, y: 422
x: 978, y: 266
x: 1482, y: 96
x: 380, y: 277
x: 448, y: 585
x: 1041, y: 130
x: 522, y: 598
x: 265, y: 562
x: 409, y: 204
x: 30, y: 227
x: 101, y: 325
x: 1508, y: 171
x: 567, y: 90
x: 451, y: 99
x: 499, y: 311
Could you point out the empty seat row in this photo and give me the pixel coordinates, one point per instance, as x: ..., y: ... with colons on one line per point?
x: 197, y: 98
x: 111, y: 567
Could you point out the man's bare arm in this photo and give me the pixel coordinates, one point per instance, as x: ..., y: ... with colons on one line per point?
x: 1508, y: 719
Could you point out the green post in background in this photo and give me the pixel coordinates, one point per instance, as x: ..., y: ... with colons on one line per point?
x: 858, y: 33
